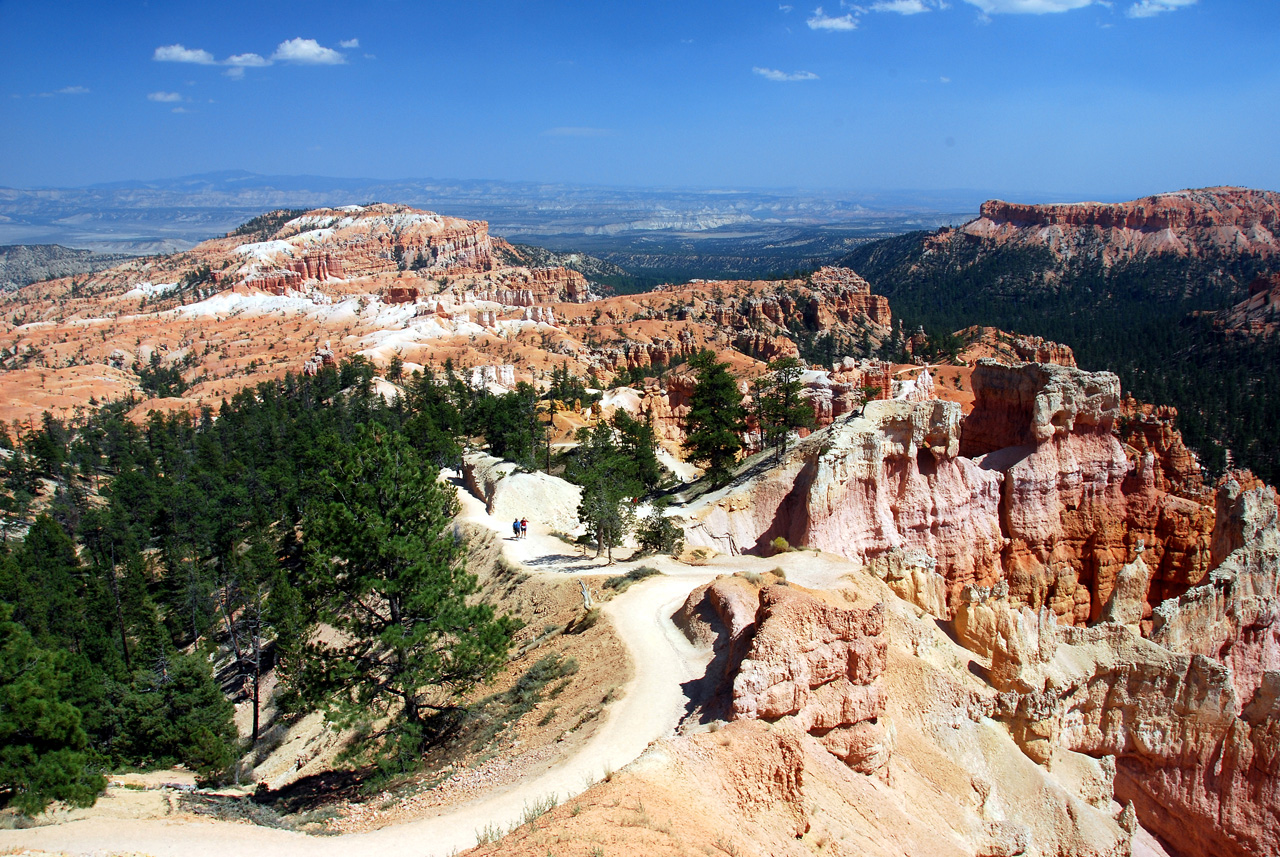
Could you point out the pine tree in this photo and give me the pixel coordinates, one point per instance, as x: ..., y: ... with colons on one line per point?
x: 601, y: 467
x: 42, y: 747
x: 385, y: 571
x: 779, y: 407
x: 716, y: 418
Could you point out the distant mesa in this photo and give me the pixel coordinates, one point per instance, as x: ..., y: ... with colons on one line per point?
x: 1187, y: 223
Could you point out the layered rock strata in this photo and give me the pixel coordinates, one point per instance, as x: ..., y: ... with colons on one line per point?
x: 890, y: 479
x: 1076, y: 507
x: 818, y: 664
x: 357, y: 241
x: 792, y: 659
x: 1185, y: 223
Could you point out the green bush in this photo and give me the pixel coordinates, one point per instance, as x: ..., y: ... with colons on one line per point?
x: 657, y: 534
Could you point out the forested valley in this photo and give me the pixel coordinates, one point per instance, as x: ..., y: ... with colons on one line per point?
x: 155, y: 552
x: 151, y: 573
x: 1137, y: 318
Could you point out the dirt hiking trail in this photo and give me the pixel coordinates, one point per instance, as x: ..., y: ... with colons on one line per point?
x: 651, y: 706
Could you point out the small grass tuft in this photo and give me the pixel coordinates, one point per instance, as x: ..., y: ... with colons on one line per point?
x: 620, y: 583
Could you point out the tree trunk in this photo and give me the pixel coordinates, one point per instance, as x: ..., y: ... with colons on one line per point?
x: 257, y: 659
x: 115, y: 592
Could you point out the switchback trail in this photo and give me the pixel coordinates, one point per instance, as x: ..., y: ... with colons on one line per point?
x: 651, y: 706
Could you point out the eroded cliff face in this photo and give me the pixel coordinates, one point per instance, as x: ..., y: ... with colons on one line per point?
x: 889, y: 480
x: 1191, y: 716
x: 356, y: 241
x: 1185, y: 223
x: 1119, y: 608
x: 828, y: 685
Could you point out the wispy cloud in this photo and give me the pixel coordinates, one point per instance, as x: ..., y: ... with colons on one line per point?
x: 902, y: 7
x: 247, y: 60
x: 66, y: 90
x: 1028, y: 7
x: 784, y: 8
x: 164, y: 97
x: 576, y: 131
x: 1151, y: 8
x: 820, y: 20
x: 784, y: 76
x: 349, y: 43
x: 307, y: 52
x: 180, y: 53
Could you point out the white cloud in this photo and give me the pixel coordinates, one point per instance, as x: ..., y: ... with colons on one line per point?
x: 178, y: 53
x: 1151, y: 8
x: 297, y: 51
x: 783, y: 76
x: 307, y: 52
x: 349, y: 43
x: 944, y: 80
x: 822, y: 21
x: 247, y: 60
x: 902, y: 7
x: 576, y: 131
x: 164, y: 96
x: 181, y: 110
x: 1028, y: 7
x: 784, y: 9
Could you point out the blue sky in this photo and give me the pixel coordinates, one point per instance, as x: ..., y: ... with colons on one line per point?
x: 1107, y: 100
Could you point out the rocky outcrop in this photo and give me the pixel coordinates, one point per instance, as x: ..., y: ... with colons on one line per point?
x: 1006, y: 347
x: 834, y: 300
x: 357, y: 241
x: 1257, y: 315
x: 1152, y: 429
x: 1186, y: 223
x: 1196, y: 760
x: 665, y: 404
x: 1077, y: 507
x: 1036, y: 349
x: 1035, y: 403
x: 1235, y: 616
x: 891, y: 479
x: 400, y: 295
x: 817, y: 664
x: 783, y: 655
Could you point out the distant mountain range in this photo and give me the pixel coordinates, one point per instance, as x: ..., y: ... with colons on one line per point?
x: 165, y: 215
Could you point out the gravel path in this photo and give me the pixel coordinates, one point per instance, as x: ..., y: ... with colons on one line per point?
x: 651, y: 705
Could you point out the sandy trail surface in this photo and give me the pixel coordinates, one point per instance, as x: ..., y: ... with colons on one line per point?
x: 651, y: 706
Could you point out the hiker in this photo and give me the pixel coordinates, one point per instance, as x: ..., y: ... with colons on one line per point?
x: 524, y: 527
x: 515, y: 527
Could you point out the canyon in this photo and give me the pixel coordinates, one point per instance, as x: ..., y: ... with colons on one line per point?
x: 1002, y: 588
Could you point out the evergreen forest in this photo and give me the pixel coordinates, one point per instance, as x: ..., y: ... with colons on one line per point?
x: 151, y: 572
x: 1141, y: 318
